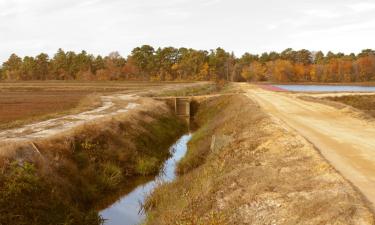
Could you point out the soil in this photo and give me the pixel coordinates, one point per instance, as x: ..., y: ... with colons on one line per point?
x: 111, y: 105
x: 347, y: 142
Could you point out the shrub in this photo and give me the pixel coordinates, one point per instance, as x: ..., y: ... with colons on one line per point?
x: 147, y: 166
x: 111, y: 176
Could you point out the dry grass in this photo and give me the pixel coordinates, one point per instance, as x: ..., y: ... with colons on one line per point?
x: 366, y: 103
x: 87, y: 86
x: 358, y: 106
x: 199, y: 146
x: 63, y: 179
x: 199, y: 89
x: 261, y: 173
x: 191, y: 91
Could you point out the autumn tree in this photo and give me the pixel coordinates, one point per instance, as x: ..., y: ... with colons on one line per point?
x: 283, y: 70
x: 220, y: 63
x: 12, y: 68
x: 301, y: 72
x: 169, y: 63
x: 192, y: 65
x: 113, y: 65
x: 144, y: 59
x: 256, y: 71
x: 129, y: 70
x: 366, y: 68
x: 366, y: 52
x: 345, y: 70
x: 303, y: 56
x: 28, y: 69
x: 318, y: 57
x: 165, y: 58
x: 41, y: 66
x: 59, y: 65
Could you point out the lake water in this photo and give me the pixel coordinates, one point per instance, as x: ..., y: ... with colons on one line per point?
x: 127, y: 211
x: 326, y: 88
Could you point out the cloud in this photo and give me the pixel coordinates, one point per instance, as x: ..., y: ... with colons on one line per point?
x: 362, y: 7
x: 210, y: 2
x: 323, y: 13
x: 345, y: 29
x: 100, y: 26
x: 272, y: 26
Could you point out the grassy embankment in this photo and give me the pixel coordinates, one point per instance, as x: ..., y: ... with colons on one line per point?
x: 366, y: 103
x: 200, y: 89
x: 64, y: 178
x: 243, y: 167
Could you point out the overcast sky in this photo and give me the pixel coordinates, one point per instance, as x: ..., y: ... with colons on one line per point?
x: 28, y: 27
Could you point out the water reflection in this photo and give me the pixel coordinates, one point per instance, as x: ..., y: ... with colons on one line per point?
x: 127, y: 211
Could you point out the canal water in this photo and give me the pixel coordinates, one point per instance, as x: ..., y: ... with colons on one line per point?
x: 128, y: 210
x: 326, y: 88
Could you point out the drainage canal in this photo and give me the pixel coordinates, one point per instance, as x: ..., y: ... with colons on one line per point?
x: 128, y: 210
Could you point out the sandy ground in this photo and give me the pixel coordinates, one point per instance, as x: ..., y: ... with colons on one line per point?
x: 347, y: 142
x: 111, y: 105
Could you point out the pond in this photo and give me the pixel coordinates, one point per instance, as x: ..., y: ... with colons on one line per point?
x: 326, y: 88
x: 128, y: 210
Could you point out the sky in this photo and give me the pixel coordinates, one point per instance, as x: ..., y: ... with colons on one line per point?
x: 29, y: 27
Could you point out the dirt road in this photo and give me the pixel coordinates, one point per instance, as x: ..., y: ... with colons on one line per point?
x: 348, y: 143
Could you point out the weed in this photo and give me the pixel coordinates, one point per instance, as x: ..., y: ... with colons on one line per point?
x: 365, y: 103
x: 111, y: 176
x: 147, y: 166
x: 199, y: 146
x: 191, y: 91
x: 81, y: 168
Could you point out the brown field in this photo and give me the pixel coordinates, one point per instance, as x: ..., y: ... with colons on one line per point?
x: 25, y: 102
x: 366, y: 103
x: 26, y: 106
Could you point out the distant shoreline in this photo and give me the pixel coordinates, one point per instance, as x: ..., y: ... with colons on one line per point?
x: 367, y: 84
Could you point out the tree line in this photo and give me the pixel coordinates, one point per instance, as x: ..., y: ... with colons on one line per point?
x: 168, y: 64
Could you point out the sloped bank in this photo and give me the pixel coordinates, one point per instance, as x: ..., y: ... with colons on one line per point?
x: 243, y: 167
x: 62, y: 180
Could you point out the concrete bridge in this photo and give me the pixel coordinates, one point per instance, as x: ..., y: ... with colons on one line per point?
x: 180, y: 105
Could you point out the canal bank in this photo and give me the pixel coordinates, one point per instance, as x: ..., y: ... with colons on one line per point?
x: 63, y: 179
x: 128, y: 209
x: 246, y: 167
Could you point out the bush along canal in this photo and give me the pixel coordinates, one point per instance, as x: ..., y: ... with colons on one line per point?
x: 69, y: 178
x: 128, y: 209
